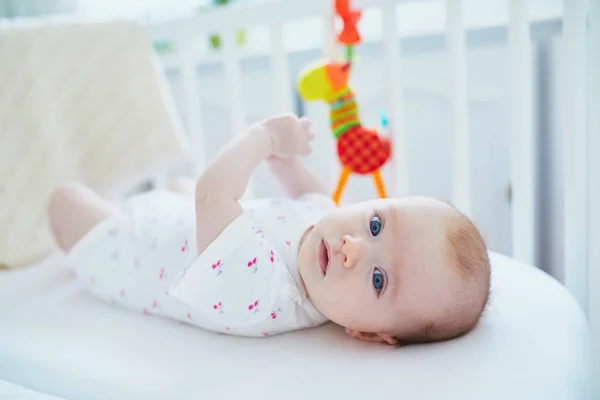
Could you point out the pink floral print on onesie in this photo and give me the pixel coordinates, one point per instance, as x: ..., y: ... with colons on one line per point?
x: 254, y: 307
x: 218, y: 267
x: 258, y: 232
x: 162, y: 274
x: 253, y: 264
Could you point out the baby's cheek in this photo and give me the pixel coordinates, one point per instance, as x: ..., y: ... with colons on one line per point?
x: 334, y: 222
x: 342, y: 304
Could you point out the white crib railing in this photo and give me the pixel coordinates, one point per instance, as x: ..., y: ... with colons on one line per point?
x: 521, y: 148
x: 284, y: 94
x: 393, y: 75
x: 456, y: 39
x: 191, y: 101
x: 574, y: 151
x: 581, y: 173
x: 593, y: 186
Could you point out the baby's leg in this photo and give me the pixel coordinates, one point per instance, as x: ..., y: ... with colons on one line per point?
x: 74, y: 210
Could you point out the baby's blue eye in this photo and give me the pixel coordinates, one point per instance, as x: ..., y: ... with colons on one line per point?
x: 378, y: 280
x: 375, y: 226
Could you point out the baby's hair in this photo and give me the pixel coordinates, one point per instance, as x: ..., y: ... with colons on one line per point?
x: 471, y: 259
x: 468, y: 255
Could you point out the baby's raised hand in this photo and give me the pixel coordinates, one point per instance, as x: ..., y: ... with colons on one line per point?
x: 290, y: 135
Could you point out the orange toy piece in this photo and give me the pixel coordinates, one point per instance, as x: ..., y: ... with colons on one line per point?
x: 350, y: 18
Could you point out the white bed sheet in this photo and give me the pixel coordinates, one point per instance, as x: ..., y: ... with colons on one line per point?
x: 56, y: 339
x: 11, y: 391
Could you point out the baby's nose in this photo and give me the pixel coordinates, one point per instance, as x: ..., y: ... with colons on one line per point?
x: 352, y: 249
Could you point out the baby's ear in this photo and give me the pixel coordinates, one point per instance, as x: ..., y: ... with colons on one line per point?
x: 372, y: 337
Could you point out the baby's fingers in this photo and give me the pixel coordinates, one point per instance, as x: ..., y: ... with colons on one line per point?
x: 305, y: 122
x: 305, y: 148
x: 306, y: 151
x: 307, y: 133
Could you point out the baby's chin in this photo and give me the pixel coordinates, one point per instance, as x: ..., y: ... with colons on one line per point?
x: 305, y: 238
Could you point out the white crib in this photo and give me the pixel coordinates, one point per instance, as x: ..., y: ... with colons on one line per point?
x: 580, y: 50
x: 579, y: 170
x: 58, y: 340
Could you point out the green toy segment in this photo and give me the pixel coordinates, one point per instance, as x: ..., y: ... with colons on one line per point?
x: 343, y: 114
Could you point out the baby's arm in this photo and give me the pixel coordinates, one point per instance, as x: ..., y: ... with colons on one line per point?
x: 226, y: 177
x: 295, y: 178
x: 224, y: 181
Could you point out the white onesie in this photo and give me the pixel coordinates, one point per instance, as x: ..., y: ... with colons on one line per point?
x: 245, y: 283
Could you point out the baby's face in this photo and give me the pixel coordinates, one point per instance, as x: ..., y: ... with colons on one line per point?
x: 380, y: 266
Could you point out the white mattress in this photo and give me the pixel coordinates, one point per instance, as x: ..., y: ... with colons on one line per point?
x: 15, y: 392
x: 56, y: 339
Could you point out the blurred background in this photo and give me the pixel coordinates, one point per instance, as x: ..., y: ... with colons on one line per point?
x: 425, y: 90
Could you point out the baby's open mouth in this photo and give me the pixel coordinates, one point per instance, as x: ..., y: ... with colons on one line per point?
x: 324, y: 256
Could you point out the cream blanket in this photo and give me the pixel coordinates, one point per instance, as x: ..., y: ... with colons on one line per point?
x: 81, y: 101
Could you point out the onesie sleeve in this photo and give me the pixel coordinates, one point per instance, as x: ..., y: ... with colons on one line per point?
x: 317, y: 203
x: 232, y: 285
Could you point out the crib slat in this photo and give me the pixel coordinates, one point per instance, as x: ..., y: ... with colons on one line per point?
x: 329, y: 53
x: 283, y: 84
x: 593, y: 183
x: 329, y: 36
x: 233, y: 79
x: 521, y: 146
x: 574, y: 149
x: 192, y: 104
x: 394, y: 90
x: 458, y: 89
x: 235, y: 92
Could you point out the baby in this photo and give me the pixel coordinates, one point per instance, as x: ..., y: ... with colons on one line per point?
x: 388, y: 270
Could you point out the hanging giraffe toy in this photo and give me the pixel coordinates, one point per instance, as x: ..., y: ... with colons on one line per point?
x: 360, y: 150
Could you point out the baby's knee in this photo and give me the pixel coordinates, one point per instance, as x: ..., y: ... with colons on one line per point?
x: 74, y: 209
x: 58, y: 206
x: 62, y: 196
